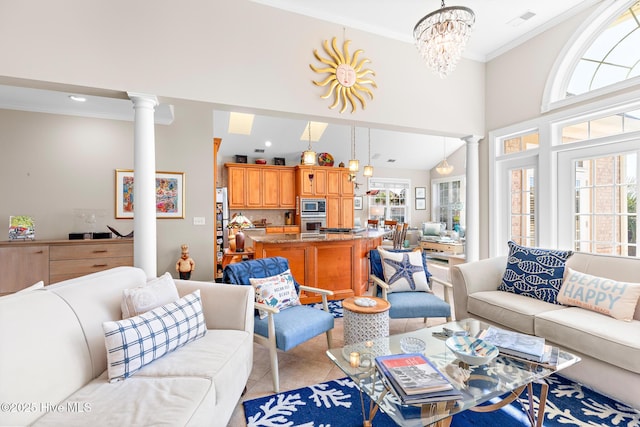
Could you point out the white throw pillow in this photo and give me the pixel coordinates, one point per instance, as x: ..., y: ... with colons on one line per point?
x: 152, y: 294
x: 137, y: 341
x: 404, y: 271
x: 606, y: 296
x: 35, y: 286
x: 277, y: 291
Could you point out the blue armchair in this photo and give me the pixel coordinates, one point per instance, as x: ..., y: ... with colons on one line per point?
x: 287, y: 328
x: 410, y: 304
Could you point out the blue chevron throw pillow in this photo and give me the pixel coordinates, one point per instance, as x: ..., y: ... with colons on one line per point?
x: 534, y: 272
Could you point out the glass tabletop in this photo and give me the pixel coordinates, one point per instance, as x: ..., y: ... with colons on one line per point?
x: 478, y: 384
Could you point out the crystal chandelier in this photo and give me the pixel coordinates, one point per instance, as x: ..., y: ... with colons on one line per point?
x: 309, y: 156
x: 354, y: 164
x: 443, y: 167
x: 368, y: 169
x: 442, y: 35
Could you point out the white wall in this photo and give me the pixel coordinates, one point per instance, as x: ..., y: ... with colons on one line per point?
x: 230, y: 52
x: 54, y: 164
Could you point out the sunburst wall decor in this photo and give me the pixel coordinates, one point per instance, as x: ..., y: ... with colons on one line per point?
x: 346, y: 78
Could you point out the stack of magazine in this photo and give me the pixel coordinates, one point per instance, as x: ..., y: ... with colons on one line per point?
x: 521, y: 346
x: 414, y: 379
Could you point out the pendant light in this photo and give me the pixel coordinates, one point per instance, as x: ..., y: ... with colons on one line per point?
x: 354, y: 164
x: 309, y: 156
x: 443, y: 167
x: 368, y: 169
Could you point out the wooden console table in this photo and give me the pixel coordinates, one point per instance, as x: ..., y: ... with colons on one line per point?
x: 454, y: 248
x: 24, y: 263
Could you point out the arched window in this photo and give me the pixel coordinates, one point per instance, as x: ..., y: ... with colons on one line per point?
x: 613, y: 56
x: 603, y: 56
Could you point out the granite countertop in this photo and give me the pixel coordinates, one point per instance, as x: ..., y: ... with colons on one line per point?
x: 315, y: 237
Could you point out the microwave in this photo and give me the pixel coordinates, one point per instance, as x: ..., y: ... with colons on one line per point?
x: 313, y: 207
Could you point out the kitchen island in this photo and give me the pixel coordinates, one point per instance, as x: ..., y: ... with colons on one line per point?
x: 333, y: 261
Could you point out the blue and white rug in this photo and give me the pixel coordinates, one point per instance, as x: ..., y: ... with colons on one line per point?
x: 335, y: 307
x: 337, y: 404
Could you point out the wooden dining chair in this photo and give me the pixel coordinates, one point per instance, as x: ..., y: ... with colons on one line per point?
x: 373, y: 223
x: 390, y: 224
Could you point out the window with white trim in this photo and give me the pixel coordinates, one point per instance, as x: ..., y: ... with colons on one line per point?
x: 448, y: 196
x: 612, y: 57
x: 389, y: 199
x: 578, y: 188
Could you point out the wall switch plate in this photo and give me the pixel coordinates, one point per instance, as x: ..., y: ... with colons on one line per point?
x: 199, y: 220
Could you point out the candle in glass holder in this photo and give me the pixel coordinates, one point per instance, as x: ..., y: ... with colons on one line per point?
x: 354, y: 359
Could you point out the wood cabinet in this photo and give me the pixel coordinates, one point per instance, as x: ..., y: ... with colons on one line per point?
x: 287, y: 190
x: 260, y: 186
x: 273, y: 229
x: 337, y: 262
x: 332, y: 184
x: 67, y: 261
x: 23, y: 266
x: 311, y: 181
x: 25, y: 263
x: 340, y: 212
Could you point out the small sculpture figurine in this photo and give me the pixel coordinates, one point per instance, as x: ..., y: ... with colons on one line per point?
x: 185, y: 264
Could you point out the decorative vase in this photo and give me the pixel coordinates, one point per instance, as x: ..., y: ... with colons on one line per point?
x: 240, y: 241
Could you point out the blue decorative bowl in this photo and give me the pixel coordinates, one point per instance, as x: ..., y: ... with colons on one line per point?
x: 472, y: 351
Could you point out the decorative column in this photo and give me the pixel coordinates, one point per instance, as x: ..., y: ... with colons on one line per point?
x: 144, y: 166
x: 472, y: 208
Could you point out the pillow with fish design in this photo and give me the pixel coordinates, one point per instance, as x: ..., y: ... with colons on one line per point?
x: 534, y: 272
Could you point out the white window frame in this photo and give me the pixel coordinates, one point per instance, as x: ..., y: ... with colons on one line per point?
x: 567, y: 178
x: 435, y: 197
x: 551, y: 230
x: 389, y: 184
x: 554, y: 97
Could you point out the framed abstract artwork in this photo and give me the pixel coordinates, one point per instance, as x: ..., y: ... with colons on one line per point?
x: 169, y: 194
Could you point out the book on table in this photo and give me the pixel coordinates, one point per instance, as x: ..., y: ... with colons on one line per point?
x: 517, y: 344
x: 415, y: 379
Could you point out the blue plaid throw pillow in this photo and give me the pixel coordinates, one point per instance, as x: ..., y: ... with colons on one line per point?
x: 137, y: 341
x: 534, y: 272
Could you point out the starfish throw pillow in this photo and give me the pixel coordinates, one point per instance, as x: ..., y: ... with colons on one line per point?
x: 403, y: 271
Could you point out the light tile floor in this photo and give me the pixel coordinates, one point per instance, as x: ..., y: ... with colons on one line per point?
x: 306, y: 364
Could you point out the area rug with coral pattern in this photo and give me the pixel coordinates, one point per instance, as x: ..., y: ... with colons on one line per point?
x: 337, y: 404
x: 335, y: 307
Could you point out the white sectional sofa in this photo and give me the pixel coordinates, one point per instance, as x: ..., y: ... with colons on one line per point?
x: 609, y: 348
x: 53, y: 359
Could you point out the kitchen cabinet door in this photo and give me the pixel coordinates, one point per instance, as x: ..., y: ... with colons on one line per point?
x: 287, y: 179
x: 270, y: 188
x: 253, y: 194
x: 236, y: 187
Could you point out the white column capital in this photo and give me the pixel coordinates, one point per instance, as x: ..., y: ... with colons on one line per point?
x: 143, y: 99
x: 471, y: 139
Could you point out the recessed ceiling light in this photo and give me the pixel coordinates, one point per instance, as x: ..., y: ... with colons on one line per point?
x: 77, y: 98
x: 267, y: 143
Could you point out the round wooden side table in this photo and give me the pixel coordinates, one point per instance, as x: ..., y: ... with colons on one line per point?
x: 362, y: 323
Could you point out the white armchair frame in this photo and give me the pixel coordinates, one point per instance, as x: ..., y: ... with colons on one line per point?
x: 270, y: 341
